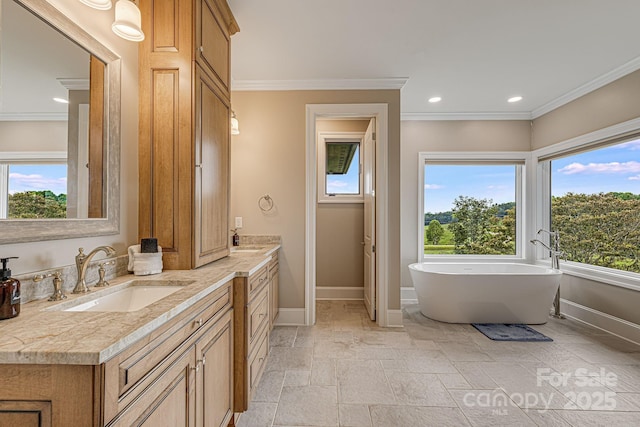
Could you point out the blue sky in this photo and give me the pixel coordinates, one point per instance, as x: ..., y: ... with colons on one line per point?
x: 38, y: 178
x: 348, y: 183
x: 615, y: 168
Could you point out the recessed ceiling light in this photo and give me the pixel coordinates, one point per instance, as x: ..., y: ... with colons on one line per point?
x: 435, y: 99
x: 61, y: 100
x: 514, y: 99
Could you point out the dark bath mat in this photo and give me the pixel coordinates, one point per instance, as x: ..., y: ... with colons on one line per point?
x: 510, y: 332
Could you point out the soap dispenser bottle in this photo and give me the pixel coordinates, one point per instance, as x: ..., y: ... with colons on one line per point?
x: 9, y: 292
x: 235, y: 239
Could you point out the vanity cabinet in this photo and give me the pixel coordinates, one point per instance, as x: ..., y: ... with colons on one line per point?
x: 251, y: 322
x: 184, y: 129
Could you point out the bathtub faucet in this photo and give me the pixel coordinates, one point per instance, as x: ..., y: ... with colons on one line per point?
x: 553, y: 247
x: 556, y: 253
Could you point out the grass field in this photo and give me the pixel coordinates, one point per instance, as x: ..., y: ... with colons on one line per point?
x: 444, y: 246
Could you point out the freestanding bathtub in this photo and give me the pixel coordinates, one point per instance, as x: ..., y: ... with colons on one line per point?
x: 485, y: 293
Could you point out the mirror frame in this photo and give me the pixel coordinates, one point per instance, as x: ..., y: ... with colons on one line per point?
x: 32, y: 230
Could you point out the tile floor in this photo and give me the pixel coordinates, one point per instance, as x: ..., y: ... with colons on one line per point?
x: 346, y: 371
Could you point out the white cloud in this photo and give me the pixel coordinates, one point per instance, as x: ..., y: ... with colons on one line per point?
x: 613, y: 167
x: 433, y: 186
x: 337, y: 183
x: 497, y: 187
x: 631, y: 145
x: 37, y: 182
x: 634, y: 178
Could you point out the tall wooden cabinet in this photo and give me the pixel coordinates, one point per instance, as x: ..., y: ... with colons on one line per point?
x: 184, y: 129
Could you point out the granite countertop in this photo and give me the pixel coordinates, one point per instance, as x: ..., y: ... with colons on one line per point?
x: 42, y: 335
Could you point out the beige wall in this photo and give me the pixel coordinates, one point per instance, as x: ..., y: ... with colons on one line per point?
x: 340, y: 229
x: 454, y: 135
x: 268, y: 157
x: 614, y: 103
x: 33, y: 136
x: 42, y: 255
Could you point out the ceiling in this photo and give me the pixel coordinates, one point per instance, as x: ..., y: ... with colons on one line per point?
x: 474, y: 54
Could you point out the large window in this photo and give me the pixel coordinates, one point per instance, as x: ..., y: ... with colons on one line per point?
x: 471, y: 207
x: 595, y: 204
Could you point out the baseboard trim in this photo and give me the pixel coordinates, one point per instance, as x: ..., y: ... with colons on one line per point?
x: 339, y: 293
x: 290, y: 317
x: 394, y: 318
x: 408, y: 296
x: 603, y: 321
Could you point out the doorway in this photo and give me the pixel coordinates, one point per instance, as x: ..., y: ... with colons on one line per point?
x: 373, y: 197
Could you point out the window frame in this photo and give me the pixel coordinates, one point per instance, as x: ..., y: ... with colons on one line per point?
x: 519, y: 159
x: 323, y: 139
x: 541, y: 159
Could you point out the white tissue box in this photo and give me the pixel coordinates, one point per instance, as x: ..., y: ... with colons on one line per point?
x: 143, y: 264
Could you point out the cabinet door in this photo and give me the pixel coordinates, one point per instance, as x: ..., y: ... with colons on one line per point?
x: 214, y: 389
x: 170, y: 401
x: 25, y: 413
x: 213, y: 39
x: 212, y: 133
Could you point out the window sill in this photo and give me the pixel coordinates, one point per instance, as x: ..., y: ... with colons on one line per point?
x: 605, y: 275
x: 473, y: 258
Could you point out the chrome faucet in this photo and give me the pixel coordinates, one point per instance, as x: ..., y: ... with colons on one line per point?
x: 553, y: 247
x: 556, y: 253
x: 82, y: 262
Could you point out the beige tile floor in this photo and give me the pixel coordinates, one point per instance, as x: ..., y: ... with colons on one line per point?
x: 345, y: 371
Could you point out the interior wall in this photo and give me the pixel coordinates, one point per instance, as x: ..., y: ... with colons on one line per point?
x: 49, y: 254
x: 33, y: 136
x: 340, y: 229
x: 268, y: 157
x: 614, y: 103
x: 453, y: 135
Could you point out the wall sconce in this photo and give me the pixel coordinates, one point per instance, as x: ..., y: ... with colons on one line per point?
x: 235, y: 130
x: 128, y: 21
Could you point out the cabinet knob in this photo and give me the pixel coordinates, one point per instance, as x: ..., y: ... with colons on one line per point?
x: 198, y: 322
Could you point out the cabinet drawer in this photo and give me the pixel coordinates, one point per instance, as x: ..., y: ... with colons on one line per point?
x: 127, y: 374
x: 258, y: 360
x: 258, y: 314
x: 274, y: 261
x: 258, y: 279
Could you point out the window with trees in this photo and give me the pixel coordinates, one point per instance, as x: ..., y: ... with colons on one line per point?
x: 35, y: 190
x: 594, y: 202
x: 471, y: 206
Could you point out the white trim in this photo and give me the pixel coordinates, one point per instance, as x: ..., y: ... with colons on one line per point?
x: 466, y: 116
x: 34, y: 117
x: 74, y: 84
x: 408, y: 296
x: 4, y: 190
x: 588, y: 87
x: 319, y: 84
x: 394, y: 318
x: 339, y: 293
x: 380, y: 112
x: 522, y: 186
x: 22, y: 156
x: 323, y: 197
x: 290, y: 317
x: 603, y: 321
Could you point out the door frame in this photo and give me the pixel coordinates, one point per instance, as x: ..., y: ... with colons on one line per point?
x: 348, y: 111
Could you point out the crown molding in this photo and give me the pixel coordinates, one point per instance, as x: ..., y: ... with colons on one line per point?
x: 466, y: 116
x: 75, y: 84
x: 33, y: 117
x: 588, y: 87
x: 321, y: 84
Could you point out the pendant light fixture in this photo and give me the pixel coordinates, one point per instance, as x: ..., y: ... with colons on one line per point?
x: 235, y: 130
x: 98, y: 4
x: 128, y: 23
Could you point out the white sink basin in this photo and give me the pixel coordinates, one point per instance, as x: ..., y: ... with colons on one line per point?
x: 131, y: 296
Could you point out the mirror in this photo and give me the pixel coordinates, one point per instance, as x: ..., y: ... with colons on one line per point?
x: 59, y: 159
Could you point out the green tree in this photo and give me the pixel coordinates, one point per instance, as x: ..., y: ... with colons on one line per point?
x: 434, y: 232
x: 477, y: 228
x: 599, y: 229
x: 37, y: 204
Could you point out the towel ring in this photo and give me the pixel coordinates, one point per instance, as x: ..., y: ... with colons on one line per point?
x: 265, y: 203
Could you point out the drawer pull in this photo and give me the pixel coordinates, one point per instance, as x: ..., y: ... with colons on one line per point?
x: 204, y: 359
x: 198, y: 322
x: 196, y: 368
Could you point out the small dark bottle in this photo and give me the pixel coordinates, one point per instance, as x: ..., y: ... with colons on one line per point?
x: 9, y: 292
x: 235, y: 238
